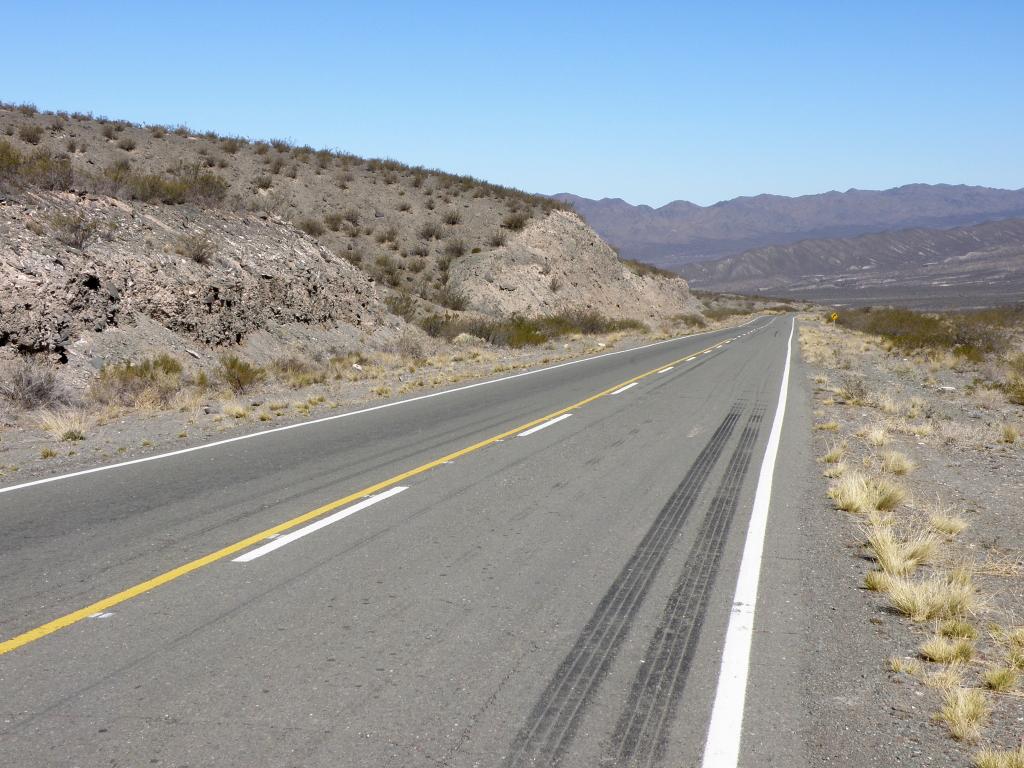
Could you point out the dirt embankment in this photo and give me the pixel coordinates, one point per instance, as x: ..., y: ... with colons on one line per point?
x: 90, y: 279
x: 558, y: 264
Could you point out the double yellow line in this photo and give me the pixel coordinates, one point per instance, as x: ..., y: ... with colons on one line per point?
x: 127, y: 594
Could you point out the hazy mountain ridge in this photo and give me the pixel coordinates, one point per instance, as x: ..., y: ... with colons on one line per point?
x: 978, y: 264
x: 681, y: 232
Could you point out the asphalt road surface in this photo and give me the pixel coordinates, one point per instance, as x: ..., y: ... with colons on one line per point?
x: 540, y: 570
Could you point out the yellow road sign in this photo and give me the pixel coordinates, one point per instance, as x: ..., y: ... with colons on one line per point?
x: 835, y: 316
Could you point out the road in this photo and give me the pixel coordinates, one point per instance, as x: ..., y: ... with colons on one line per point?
x: 539, y: 570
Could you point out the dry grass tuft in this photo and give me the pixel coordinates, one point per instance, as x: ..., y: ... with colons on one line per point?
x: 999, y: 758
x: 900, y: 664
x: 1000, y: 679
x: 964, y: 712
x: 897, y: 463
x: 859, y: 494
x: 958, y: 629
x: 945, y: 651
x: 835, y: 470
x: 876, y: 581
x: 950, y: 525
x: 898, y: 557
x: 876, y: 436
x: 234, y: 409
x: 932, y: 598
x: 1009, y: 434
x: 827, y: 426
x: 67, y: 425
x: 835, y: 453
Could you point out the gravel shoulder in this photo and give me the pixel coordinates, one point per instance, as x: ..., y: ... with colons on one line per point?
x: 871, y: 695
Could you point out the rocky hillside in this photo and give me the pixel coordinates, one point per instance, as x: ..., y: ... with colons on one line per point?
x: 962, y: 266
x: 681, y: 232
x: 118, y: 239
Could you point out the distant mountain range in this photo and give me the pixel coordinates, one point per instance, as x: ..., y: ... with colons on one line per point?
x: 681, y: 232
x: 977, y: 265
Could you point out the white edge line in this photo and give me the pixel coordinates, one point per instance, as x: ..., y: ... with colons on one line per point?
x: 273, y: 430
x: 341, y: 514
x: 623, y: 389
x: 545, y: 425
x: 722, y: 748
x: 666, y: 370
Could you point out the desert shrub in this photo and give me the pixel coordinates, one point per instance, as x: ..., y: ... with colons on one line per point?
x: 109, y: 132
x: 188, y: 184
x: 520, y: 331
x: 47, y: 171
x: 27, y: 109
x: 497, y: 240
x: 454, y: 248
x: 240, y: 375
x: 232, y: 144
x: 515, y: 221
x: 401, y: 304
x: 30, y: 133
x: 451, y: 298
x: 196, y: 246
x: 263, y: 182
x: 298, y: 372
x: 10, y: 160
x: 404, y: 206
x: 389, y: 235
x: 127, y: 144
x: 157, y: 131
x: 311, y: 227
x: 351, y: 215
x: 452, y: 217
x: 692, y: 320
x: 409, y: 347
x: 73, y: 229
x: 333, y: 221
x: 29, y: 385
x: 432, y: 230
x: 153, y: 381
x: 386, y: 270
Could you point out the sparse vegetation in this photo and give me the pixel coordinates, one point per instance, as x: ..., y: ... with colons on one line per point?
x: 520, y: 331
x: 151, y: 382
x: 196, y: 246
x: 240, y: 375
x: 73, y: 229
x: 29, y: 385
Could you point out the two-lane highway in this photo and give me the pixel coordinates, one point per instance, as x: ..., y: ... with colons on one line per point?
x: 535, y: 570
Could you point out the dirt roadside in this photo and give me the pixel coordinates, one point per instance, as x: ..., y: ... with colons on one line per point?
x: 923, y: 486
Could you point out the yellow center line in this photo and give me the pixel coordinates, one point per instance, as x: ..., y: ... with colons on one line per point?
x: 127, y: 594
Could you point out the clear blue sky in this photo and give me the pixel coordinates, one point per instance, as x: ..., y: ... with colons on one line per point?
x: 646, y: 101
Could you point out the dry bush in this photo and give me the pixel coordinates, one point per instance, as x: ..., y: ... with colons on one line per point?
x: 29, y: 385
x: 1000, y: 679
x: 897, y: 556
x: 958, y: 629
x: 298, y: 372
x: 942, y: 650
x: 240, y: 375
x: 74, y: 230
x: 1000, y: 758
x: 409, y: 347
x: 311, y: 227
x: 964, y: 712
x: 30, y: 133
x: 896, y: 463
x: 234, y: 409
x: 515, y: 221
x: 931, y: 598
x: 153, y: 382
x: 950, y: 525
x: 857, y: 493
x: 196, y: 246
x: 66, y: 425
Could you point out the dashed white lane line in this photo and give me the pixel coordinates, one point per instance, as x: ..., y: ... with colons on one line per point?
x: 341, y: 514
x: 689, y: 359
x: 623, y: 389
x: 545, y: 425
x: 666, y: 370
x: 722, y: 748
